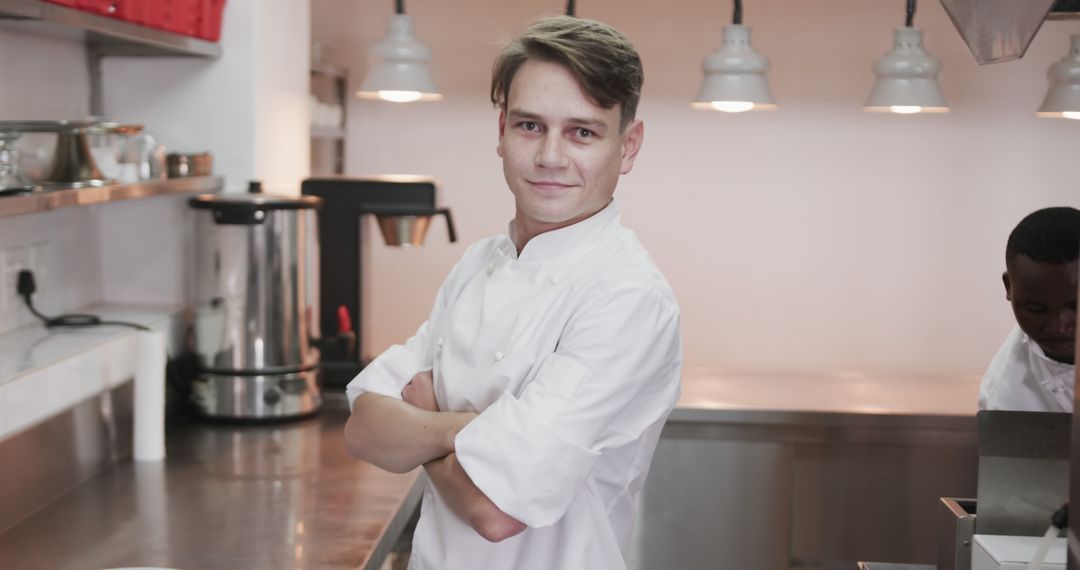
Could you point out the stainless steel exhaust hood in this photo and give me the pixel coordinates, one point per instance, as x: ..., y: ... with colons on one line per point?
x: 1001, y: 30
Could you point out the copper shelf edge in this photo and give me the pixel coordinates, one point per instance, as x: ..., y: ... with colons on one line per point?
x: 43, y: 201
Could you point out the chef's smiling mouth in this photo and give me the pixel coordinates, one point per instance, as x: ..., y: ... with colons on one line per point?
x: 549, y: 184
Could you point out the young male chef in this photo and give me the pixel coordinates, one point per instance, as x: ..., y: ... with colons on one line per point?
x: 535, y: 392
x: 1035, y: 369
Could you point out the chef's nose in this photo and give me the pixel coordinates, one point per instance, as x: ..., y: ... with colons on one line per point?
x: 551, y: 153
x: 1065, y: 323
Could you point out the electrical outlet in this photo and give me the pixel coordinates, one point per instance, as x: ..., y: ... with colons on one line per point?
x: 39, y: 262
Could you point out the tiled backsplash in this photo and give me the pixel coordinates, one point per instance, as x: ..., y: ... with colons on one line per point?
x: 137, y: 251
x: 62, y: 249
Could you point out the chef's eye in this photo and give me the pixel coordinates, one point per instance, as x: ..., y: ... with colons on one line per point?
x: 583, y: 133
x: 530, y: 126
x: 1036, y: 308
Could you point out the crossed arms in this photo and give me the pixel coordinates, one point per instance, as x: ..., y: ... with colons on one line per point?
x: 423, y: 435
x: 530, y: 453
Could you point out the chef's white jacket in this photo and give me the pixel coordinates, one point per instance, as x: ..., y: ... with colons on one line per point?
x: 571, y: 354
x: 1021, y: 377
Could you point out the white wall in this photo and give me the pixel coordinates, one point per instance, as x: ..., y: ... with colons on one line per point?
x: 44, y: 77
x: 249, y: 108
x: 816, y: 237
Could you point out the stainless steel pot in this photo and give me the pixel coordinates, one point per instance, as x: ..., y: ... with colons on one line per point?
x: 257, y: 306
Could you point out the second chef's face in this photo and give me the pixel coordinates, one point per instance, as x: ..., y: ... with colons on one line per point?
x: 1043, y: 297
x: 562, y: 153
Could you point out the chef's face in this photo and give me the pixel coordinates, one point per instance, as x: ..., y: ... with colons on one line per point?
x: 1043, y: 297
x: 562, y: 153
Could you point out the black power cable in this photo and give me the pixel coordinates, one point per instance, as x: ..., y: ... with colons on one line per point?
x: 399, y: 6
x: 26, y: 288
x: 570, y: 11
x: 736, y: 18
x: 910, y: 13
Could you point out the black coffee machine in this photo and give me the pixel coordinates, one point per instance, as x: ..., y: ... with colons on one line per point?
x: 403, y: 206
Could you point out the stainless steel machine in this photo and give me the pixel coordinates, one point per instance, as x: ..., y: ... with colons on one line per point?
x: 1023, y: 479
x: 256, y: 317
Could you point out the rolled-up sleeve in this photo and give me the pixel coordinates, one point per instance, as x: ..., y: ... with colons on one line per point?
x: 614, y: 374
x: 391, y: 371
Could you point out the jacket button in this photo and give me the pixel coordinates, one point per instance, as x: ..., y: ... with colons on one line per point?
x: 491, y: 268
x: 499, y: 355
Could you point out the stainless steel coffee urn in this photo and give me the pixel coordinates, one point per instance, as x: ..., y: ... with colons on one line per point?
x: 257, y: 305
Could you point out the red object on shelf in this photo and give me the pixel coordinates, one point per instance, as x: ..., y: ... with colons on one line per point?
x: 96, y: 6
x: 195, y: 18
x: 130, y: 10
x: 209, y: 25
x: 153, y: 13
x: 182, y: 16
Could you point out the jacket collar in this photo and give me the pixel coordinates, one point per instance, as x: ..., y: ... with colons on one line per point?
x: 563, y: 241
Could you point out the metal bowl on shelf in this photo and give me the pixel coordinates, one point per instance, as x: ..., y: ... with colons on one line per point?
x: 73, y: 164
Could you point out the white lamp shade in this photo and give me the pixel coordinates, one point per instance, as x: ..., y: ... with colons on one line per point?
x: 399, y: 69
x: 735, y: 76
x: 907, y: 78
x: 1063, y: 97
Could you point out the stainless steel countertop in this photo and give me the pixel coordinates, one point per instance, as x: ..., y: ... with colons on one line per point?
x: 709, y: 392
x: 289, y: 496
x: 227, y: 497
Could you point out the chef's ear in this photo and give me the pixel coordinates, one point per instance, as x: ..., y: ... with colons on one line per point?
x: 1008, y: 286
x: 502, y: 131
x: 632, y: 139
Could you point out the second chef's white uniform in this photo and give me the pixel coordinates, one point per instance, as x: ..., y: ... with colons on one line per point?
x: 1022, y: 378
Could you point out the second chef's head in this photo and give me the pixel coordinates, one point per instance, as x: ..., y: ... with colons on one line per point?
x: 1041, y: 279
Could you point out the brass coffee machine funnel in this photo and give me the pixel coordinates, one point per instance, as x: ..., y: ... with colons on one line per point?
x: 407, y: 227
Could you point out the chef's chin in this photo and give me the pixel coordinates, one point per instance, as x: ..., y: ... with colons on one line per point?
x: 1060, y: 352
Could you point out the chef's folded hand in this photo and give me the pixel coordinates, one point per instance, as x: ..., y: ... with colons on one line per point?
x: 420, y: 392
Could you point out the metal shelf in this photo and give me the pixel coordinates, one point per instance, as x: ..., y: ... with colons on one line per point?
x: 329, y: 70
x: 328, y: 156
x: 328, y: 132
x: 108, y: 36
x: 46, y: 200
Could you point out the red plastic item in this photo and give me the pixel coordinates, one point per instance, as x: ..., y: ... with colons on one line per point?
x: 129, y: 10
x: 195, y: 18
x: 96, y: 6
x: 344, y: 321
x: 210, y: 17
x: 182, y: 16
x: 153, y: 13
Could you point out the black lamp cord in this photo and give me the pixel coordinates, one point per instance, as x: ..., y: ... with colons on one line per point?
x: 736, y: 18
x: 910, y: 13
x: 26, y: 289
x: 570, y: 11
x: 399, y: 6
